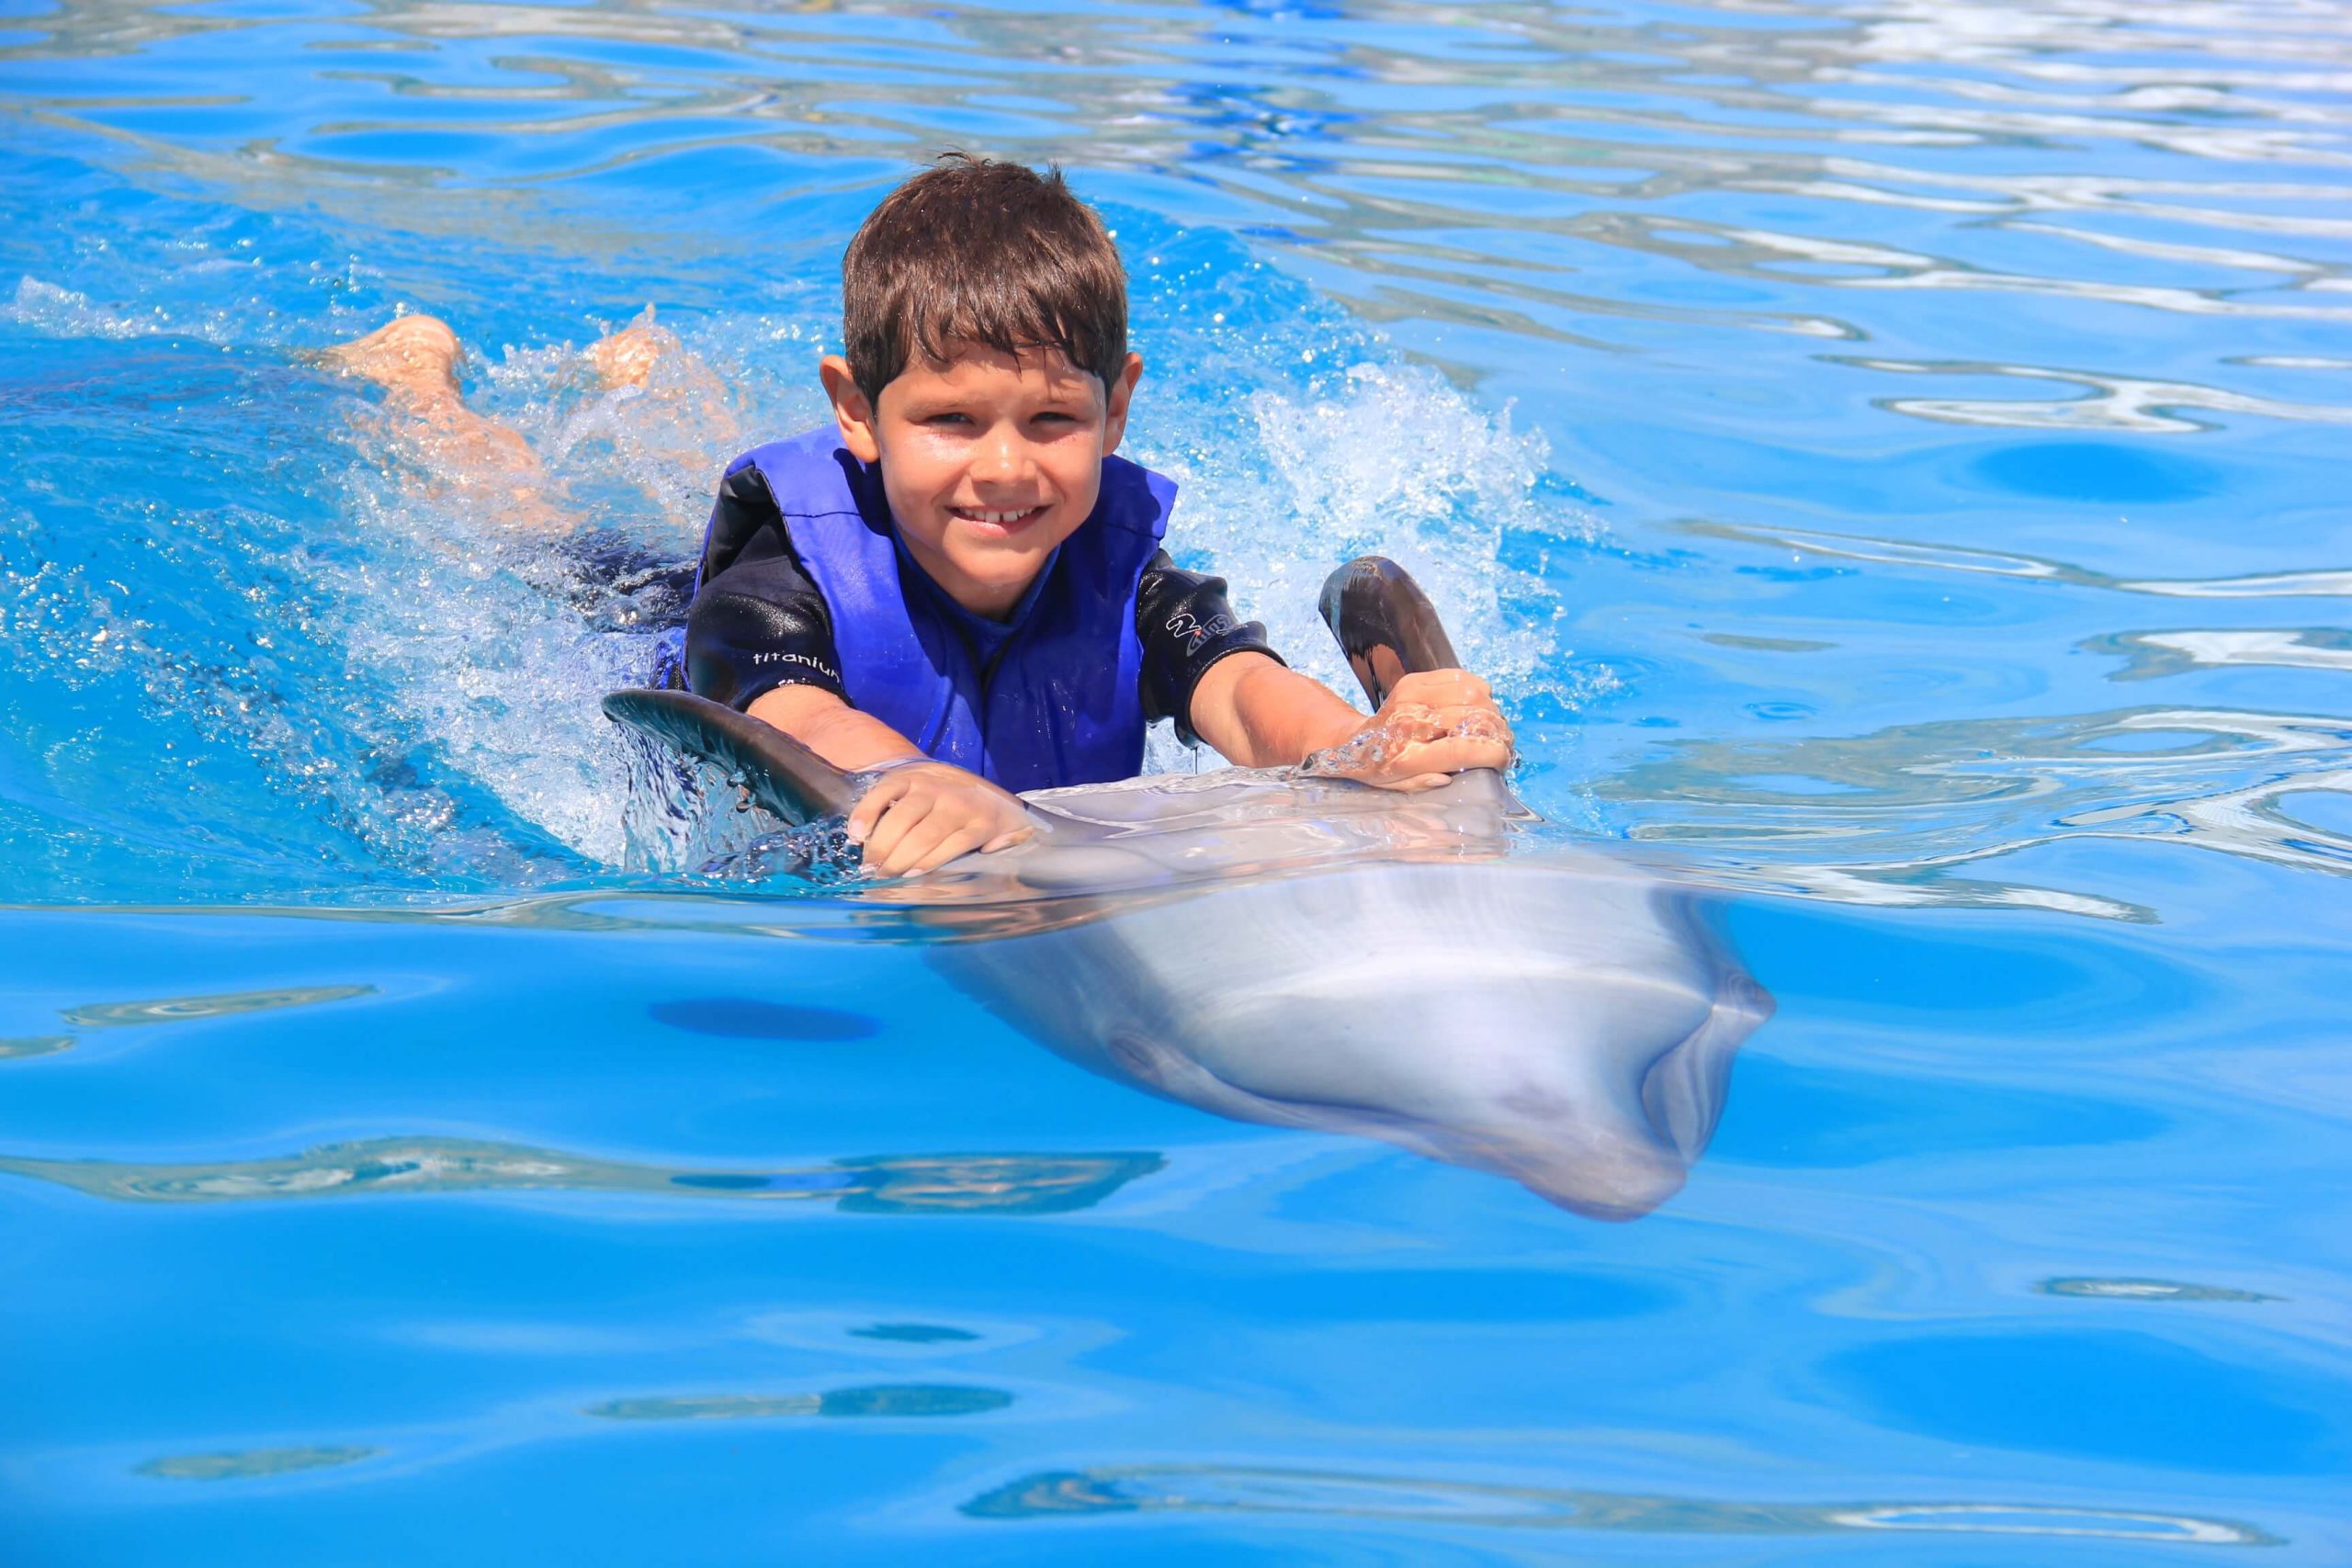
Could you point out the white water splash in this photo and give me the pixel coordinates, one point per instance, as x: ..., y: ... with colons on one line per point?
x: 1391, y: 460
x: 63, y: 313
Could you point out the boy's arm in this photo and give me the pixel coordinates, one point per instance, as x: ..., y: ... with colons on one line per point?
x: 919, y: 813
x: 760, y: 638
x: 1258, y: 714
x: 853, y: 741
x: 1434, y: 724
x: 1214, y: 674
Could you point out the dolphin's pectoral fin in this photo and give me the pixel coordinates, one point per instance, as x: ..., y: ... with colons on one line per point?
x: 781, y: 773
x: 1388, y: 629
x: 1385, y: 625
x: 787, y: 777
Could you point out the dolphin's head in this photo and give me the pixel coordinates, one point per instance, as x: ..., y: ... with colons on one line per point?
x: 1595, y: 1087
x: 1570, y: 1027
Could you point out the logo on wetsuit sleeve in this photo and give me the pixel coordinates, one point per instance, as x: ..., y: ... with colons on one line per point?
x: 786, y: 655
x: 1195, y: 631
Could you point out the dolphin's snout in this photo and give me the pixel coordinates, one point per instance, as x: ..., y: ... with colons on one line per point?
x: 1603, y: 1153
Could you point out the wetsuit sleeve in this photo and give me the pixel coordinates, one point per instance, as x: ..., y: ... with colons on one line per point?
x: 762, y: 622
x: 1185, y: 625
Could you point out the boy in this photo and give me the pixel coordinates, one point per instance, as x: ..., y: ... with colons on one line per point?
x: 960, y: 583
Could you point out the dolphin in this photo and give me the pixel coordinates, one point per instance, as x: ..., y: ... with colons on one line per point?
x: 1278, y: 947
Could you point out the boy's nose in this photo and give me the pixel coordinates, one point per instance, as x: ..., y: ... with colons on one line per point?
x: 1003, y: 459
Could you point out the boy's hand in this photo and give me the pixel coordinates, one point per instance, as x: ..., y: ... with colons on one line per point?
x: 919, y: 815
x: 1433, y: 726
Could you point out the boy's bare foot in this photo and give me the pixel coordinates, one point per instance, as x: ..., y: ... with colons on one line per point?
x: 668, y: 436
x: 412, y: 355
x: 414, y: 359
x: 626, y: 358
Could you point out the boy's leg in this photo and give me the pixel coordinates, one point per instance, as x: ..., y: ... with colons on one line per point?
x: 414, y: 360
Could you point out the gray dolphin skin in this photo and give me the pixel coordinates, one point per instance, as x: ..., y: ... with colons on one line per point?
x: 1276, y: 947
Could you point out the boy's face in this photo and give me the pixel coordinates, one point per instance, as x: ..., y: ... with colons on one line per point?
x: 990, y: 461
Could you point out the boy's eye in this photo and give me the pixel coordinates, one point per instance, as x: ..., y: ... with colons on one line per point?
x: 947, y: 419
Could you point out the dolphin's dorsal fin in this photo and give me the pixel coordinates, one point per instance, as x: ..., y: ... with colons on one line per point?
x: 1385, y: 625
x: 782, y: 775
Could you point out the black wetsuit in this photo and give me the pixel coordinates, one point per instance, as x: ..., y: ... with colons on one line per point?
x: 620, y: 585
x: 760, y: 621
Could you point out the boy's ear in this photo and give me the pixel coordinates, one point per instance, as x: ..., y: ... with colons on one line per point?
x: 1115, y: 397
x: 852, y: 410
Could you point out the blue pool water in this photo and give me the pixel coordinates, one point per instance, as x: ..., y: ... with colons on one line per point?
x: 1889, y: 453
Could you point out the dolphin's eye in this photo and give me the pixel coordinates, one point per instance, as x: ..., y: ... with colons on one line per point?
x: 1134, y: 1054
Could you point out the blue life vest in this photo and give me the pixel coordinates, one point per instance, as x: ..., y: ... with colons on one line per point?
x: 1060, y: 701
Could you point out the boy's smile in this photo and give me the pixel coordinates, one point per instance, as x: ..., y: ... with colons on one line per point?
x: 989, y: 461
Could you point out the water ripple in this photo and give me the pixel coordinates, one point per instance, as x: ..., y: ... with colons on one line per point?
x: 2325, y: 583
x: 1593, y: 127
x: 1895, y: 817
x: 1008, y: 1184
x: 1131, y: 1489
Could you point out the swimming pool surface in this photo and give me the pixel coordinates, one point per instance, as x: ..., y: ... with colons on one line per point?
x: 1891, y: 456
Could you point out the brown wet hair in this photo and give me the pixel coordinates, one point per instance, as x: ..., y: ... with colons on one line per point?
x: 976, y: 250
